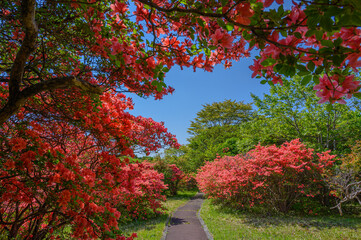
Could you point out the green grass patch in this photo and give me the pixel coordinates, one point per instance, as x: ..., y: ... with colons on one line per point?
x: 152, y: 229
x: 231, y: 224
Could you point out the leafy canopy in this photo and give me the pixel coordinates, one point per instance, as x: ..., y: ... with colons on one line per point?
x: 292, y: 111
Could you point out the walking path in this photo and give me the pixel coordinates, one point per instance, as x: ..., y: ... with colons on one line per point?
x: 185, y: 224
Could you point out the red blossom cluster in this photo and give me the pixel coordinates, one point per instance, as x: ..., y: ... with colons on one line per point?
x: 266, y: 175
x: 177, y: 173
x: 188, y: 182
x: 172, y: 175
x: 58, y: 173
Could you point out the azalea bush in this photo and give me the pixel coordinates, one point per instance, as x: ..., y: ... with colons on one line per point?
x: 172, y: 176
x: 146, y: 198
x: 56, y: 173
x: 268, y: 175
x: 188, y: 182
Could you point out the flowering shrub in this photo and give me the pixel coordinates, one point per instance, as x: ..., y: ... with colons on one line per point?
x: 145, y: 198
x: 172, y: 175
x: 55, y: 174
x: 272, y: 176
x: 188, y: 182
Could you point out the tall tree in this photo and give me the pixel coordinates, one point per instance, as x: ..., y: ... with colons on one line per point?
x: 292, y: 111
x: 213, y: 128
x: 219, y: 114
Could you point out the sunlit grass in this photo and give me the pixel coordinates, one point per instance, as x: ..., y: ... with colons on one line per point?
x: 152, y: 229
x: 224, y: 223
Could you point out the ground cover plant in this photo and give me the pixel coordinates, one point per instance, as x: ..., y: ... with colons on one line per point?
x: 228, y: 223
x: 65, y: 122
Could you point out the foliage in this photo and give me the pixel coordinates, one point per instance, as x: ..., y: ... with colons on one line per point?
x: 215, y: 130
x: 188, y: 182
x: 224, y: 113
x: 345, y: 181
x: 272, y: 176
x: 207, y: 144
x: 260, y: 130
x: 172, y: 175
x: 353, y: 159
x: 292, y: 111
x: 229, y: 147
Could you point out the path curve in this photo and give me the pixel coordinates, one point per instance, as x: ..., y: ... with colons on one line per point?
x: 184, y: 223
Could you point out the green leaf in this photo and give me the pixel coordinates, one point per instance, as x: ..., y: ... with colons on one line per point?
x: 268, y: 62
x: 283, y: 33
x: 326, y: 23
x: 246, y: 35
x: 306, y: 80
x: 311, y: 66
x: 290, y: 71
x: 297, y: 35
x: 329, y: 107
x: 356, y: 20
x: 357, y: 95
x: 310, y: 33
x: 206, y: 31
x: 229, y: 27
x: 221, y: 23
x: 224, y: 2
x: 313, y: 19
x: 316, y: 79
x: 338, y: 42
x: 278, y: 68
x: 201, y: 22
x: 319, y: 35
x: 207, y: 52
x: 338, y: 59
x: 319, y: 70
x: 327, y: 43
x: 263, y: 82
x: 301, y: 68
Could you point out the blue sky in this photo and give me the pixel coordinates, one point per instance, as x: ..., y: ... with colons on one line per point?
x: 193, y: 89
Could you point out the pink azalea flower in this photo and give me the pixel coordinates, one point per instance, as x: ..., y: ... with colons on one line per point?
x: 223, y: 39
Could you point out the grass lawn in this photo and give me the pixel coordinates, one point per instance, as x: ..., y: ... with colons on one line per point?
x: 231, y: 225
x: 152, y: 229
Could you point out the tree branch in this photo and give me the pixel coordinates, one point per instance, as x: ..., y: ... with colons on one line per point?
x: 28, y: 46
x: 12, y: 106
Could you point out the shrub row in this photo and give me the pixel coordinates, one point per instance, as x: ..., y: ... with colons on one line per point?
x: 271, y: 176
